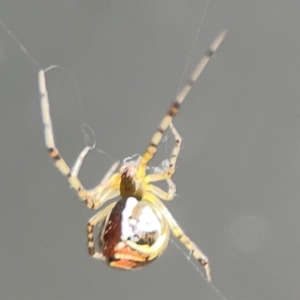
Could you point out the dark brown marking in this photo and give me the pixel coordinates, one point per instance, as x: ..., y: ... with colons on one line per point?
x: 190, y: 82
x: 209, y: 53
x: 148, y: 239
x: 173, y: 109
x: 202, y: 261
x: 110, y: 234
x: 112, y: 259
x: 172, y: 112
x: 176, y: 105
x: 56, y: 157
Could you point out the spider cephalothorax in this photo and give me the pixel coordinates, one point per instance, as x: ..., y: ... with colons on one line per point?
x: 130, y: 184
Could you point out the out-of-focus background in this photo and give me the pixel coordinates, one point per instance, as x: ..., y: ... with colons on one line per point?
x: 238, y: 175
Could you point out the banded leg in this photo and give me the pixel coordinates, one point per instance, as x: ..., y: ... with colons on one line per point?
x: 107, y: 189
x: 89, y: 197
x: 93, y: 221
x: 173, y: 110
x: 167, y: 172
x: 180, y: 235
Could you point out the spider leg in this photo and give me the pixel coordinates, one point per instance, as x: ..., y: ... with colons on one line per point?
x: 173, y: 110
x: 167, y: 172
x: 93, y: 221
x: 107, y: 189
x: 77, y: 165
x: 156, y: 190
x: 180, y: 235
x: 167, y: 196
x: 175, y: 152
x: 172, y: 188
x: 95, y: 197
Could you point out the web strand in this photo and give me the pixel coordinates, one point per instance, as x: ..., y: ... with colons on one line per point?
x: 193, y: 45
x: 188, y: 257
x: 197, y: 268
x: 86, y: 127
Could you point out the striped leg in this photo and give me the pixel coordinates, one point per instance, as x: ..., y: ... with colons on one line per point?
x: 168, y: 172
x: 109, y: 184
x: 173, y: 110
x: 93, y: 221
x: 178, y: 233
x: 107, y: 189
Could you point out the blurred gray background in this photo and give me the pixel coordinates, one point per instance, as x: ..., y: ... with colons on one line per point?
x: 238, y: 175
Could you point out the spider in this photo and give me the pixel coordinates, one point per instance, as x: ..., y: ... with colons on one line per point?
x: 135, y: 229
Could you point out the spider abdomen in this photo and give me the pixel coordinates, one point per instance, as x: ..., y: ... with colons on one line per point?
x: 133, y: 234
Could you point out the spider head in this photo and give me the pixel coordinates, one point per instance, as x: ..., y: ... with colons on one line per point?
x: 130, y: 166
x: 130, y: 184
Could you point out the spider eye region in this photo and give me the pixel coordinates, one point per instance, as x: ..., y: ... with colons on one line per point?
x: 133, y: 235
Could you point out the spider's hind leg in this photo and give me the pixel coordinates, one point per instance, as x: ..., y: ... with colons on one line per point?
x: 180, y: 235
x: 93, y: 221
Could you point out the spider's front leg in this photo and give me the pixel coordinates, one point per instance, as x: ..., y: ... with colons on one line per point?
x: 167, y: 172
x: 108, y: 187
x: 171, y: 113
